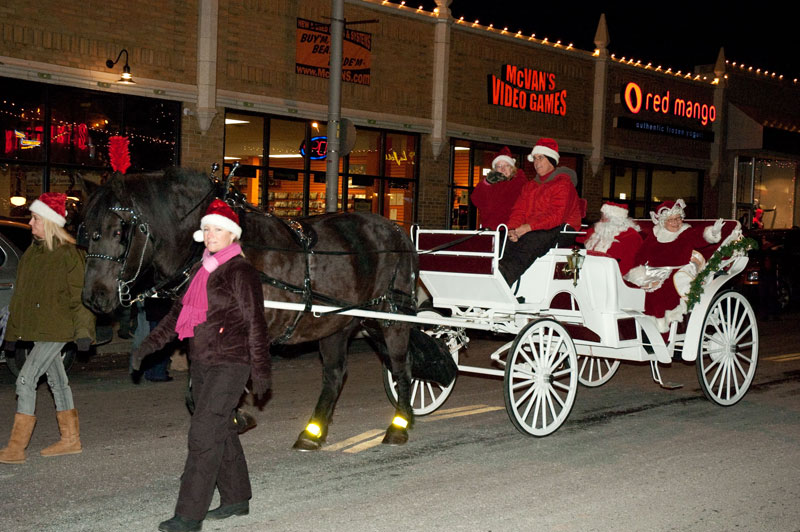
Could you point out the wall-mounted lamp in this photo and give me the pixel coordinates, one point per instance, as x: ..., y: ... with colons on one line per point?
x: 125, y: 78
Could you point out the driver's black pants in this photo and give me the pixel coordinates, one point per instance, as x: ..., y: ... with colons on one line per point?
x: 216, y: 458
x: 519, y: 255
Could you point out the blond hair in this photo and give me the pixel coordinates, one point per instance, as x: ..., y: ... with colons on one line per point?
x: 54, y: 236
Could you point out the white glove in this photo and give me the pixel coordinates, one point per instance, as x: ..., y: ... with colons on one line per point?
x: 716, y: 230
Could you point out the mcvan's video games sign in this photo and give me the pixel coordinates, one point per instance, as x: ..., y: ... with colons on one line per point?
x: 529, y: 90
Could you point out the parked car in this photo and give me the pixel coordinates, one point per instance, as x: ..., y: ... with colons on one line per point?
x: 15, y: 237
x: 772, y: 277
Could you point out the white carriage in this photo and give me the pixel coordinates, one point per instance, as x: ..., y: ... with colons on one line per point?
x: 573, y: 319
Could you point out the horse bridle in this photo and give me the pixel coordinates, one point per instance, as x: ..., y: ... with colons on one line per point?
x: 140, y: 227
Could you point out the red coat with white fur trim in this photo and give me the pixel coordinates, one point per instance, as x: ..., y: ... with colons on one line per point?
x: 547, y: 202
x: 674, y: 254
x: 494, y: 202
x: 624, y: 249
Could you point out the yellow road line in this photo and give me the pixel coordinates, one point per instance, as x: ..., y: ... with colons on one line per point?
x: 784, y: 358
x: 350, y: 441
x: 446, y: 411
x: 366, y: 445
x: 466, y: 413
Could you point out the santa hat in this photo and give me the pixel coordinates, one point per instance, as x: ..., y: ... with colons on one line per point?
x: 614, y: 210
x: 52, y: 206
x: 546, y: 147
x: 503, y: 155
x: 220, y: 214
x: 668, y: 209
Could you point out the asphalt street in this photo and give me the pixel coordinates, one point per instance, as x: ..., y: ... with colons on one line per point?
x: 631, y: 456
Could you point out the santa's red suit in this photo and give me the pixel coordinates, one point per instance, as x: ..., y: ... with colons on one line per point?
x: 494, y: 202
x: 668, y: 262
x: 615, y: 236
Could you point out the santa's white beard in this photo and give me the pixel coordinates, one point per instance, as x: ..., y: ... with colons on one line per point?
x: 605, y: 232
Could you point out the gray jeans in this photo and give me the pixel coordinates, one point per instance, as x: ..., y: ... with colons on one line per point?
x: 45, y: 357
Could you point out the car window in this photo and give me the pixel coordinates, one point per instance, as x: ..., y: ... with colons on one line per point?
x: 19, y: 236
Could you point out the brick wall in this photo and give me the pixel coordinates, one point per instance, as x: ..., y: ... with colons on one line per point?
x: 160, y: 35
x: 475, y: 56
x: 401, y: 54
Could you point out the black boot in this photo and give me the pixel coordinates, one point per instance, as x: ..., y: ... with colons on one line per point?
x: 180, y: 524
x: 229, y: 510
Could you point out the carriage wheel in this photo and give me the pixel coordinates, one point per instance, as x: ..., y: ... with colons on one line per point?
x: 596, y: 371
x: 541, y: 378
x: 728, y: 352
x: 426, y: 396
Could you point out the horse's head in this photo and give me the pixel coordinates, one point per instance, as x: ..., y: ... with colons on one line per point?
x: 140, y: 225
x: 119, y: 246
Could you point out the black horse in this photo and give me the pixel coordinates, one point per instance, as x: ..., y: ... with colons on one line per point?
x: 140, y: 225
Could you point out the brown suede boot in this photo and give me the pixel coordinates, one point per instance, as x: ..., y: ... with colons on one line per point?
x: 14, y: 453
x: 70, y: 442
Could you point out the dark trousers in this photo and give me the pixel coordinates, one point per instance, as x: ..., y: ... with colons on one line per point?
x: 519, y: 255
x: 215, y: 455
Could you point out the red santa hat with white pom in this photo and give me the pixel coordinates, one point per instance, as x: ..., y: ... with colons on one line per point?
x: 220, y: 214
x: 503, y: 155
x: 51, y: 206
x: 546, y: 147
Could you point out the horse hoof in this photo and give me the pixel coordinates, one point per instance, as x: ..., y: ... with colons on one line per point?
x: 395, y: 436
x: 305, y: 443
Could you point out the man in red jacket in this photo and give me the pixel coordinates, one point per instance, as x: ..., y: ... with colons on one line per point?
x: 547, y: 203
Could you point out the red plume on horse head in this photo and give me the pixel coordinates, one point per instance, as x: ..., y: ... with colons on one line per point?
x: 119, y: 154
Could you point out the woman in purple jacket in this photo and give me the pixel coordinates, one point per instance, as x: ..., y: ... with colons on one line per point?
x: 222, y: 315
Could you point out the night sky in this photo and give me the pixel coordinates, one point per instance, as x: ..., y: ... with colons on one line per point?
x: 679, y: 35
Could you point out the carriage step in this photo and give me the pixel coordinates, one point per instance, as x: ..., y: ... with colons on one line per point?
x: 671, y: 385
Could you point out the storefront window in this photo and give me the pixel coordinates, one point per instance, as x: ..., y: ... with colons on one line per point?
x: 380, y: 171
x: 643, y: 187
x: 22, y: 107
x: 24, y: 184
x: 79, y: 124
x: 775, y: 187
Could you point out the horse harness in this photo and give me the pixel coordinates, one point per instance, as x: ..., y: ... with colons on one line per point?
x: 139, y: 227
x: 306, y: 237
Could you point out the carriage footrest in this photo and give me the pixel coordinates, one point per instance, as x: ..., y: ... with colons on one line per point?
x: 657, y: 377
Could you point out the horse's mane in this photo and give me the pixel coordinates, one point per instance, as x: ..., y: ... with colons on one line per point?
x: 165, y: 198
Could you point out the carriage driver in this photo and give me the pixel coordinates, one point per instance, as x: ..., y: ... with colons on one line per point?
x: 546, y: 203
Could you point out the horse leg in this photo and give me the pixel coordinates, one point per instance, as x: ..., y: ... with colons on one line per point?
x: 396, y: 341
x: 333, y: 351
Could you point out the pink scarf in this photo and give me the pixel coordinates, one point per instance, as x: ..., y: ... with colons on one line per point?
x: 195, y: 300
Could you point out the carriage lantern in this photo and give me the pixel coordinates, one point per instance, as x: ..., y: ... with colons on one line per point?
x: 574, y: 264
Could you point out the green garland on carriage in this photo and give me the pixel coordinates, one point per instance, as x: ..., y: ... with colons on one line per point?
x: 740, y: 246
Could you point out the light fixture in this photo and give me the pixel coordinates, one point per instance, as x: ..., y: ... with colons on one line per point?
x: 125, y: 78
x: 18, y: 201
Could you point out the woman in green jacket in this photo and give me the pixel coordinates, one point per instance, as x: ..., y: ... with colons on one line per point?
x: 46, y: 309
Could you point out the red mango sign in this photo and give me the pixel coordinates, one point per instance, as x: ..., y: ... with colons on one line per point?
x: 637, y: 101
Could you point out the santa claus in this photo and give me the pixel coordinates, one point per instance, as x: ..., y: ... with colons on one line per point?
x: 615, y: 236
x: 668, y: 260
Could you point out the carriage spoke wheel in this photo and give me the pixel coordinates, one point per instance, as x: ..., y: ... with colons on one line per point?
x: 541, y: 378
x: 596, y: 371
x: 426, y: 396
x: 728, y: 352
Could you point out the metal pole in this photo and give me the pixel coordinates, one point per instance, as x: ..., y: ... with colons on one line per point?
x: 334, y: 106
